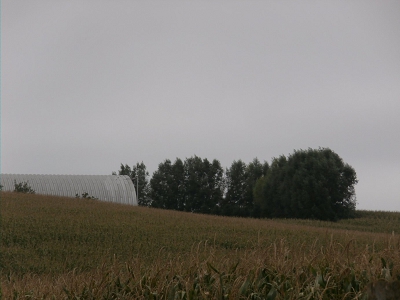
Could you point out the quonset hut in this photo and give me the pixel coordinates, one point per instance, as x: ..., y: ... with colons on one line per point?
x: 110, y: 188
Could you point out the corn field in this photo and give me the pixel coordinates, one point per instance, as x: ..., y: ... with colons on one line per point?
x: 64, y: 248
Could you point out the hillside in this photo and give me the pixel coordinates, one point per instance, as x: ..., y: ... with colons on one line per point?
x: 76, y: 247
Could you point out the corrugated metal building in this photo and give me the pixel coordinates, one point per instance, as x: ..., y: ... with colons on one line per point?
x: 111, y: 188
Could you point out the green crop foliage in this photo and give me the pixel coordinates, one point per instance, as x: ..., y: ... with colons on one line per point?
x: 66, y: 248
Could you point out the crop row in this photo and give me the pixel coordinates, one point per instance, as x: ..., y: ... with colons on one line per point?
x: 65, y: 248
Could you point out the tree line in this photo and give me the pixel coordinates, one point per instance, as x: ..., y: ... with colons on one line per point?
x: 313, y: 183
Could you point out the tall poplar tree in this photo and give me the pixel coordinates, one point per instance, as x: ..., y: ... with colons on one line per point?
x: 234, y: 203
x: 204, y: 185
x: 140, y: 179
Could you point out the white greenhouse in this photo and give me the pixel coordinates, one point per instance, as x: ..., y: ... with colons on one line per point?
x: 110, y: 188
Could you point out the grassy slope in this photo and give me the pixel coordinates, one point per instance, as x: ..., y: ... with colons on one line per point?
x: 51, y: 238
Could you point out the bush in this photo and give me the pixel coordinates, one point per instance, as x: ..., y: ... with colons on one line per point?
x: 23, y: 187
x: 85, y: 195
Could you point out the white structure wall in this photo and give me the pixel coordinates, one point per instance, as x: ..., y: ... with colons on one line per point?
x: 111, y: 188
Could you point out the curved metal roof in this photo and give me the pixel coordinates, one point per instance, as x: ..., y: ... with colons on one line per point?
x: 111, y: 188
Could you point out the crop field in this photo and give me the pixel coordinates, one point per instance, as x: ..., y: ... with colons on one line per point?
x: 64, y: 248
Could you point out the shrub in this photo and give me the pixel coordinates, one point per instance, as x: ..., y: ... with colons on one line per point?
x: 85, y: 195
x: 23, y: 187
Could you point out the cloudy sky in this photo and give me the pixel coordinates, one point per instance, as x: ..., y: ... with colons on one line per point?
x: 90, y: 84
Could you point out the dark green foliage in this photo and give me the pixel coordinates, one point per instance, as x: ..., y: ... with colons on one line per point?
x: 204, y: 185
x: 308, y: 184
x: 198, y: 185
x: 195, y: 185
x: 255, y: 170
x: 167, y: 185
x: 314, y: 184
x: 139, y: 176
x: 140, y: 171
x: 240, y: 183
x: 178, y: 184
x: 235, y: 201
x: 23, y: 187
x: 160, y: 185
x: 85, y: 195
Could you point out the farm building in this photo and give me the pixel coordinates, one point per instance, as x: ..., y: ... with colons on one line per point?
x: 111, y: 188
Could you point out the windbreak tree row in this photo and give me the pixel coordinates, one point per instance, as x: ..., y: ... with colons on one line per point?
x: 312, y: 184
x: 198, y: 185
x: 195, y: 185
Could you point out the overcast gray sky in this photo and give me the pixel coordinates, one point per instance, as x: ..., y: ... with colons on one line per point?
x: 90, y: 84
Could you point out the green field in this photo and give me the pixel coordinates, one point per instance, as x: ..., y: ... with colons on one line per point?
x: 63, y: 248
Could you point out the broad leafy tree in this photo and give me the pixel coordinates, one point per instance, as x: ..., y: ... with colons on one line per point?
x: 313, y: 183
